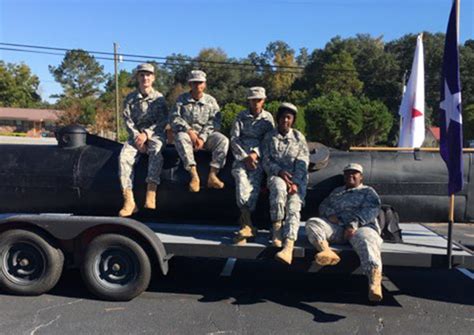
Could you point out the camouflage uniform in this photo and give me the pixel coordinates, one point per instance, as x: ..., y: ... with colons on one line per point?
x: 204, y: 117
x: 149, y: 115
x: 357, y: 208
x: 290, y: 153
x: 246, y: 136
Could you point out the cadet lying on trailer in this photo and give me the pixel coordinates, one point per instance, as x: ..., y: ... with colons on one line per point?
x: 349, y: 215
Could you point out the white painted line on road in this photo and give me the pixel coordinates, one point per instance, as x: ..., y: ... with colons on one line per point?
x: 467, y: 273
x: 228, y: 267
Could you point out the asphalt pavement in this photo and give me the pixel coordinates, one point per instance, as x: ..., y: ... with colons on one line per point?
x: 256, y: 297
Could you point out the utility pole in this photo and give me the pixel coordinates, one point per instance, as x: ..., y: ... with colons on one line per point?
x: 117, y: 106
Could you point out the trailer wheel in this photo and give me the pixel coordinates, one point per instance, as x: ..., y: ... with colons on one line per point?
x: 116, y: 268
x: 29, y: 264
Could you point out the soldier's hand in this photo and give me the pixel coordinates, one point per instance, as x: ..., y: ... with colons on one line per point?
x: 293, y: 189
x: 286, y: 176
x: 333, y: 219
x: 199, y: 144
x: 349, y: 233
x: 193, y: 135
x: 142, y: 148
x: 251, y: 161
x: 140, y: 140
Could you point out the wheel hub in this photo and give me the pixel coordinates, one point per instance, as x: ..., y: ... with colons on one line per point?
x: 116, y: 267
x: 24, y: 263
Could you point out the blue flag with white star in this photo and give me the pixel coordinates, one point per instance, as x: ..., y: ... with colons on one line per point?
x: 451, y: 142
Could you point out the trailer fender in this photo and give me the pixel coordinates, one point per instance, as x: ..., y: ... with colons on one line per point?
x: 69, y: 227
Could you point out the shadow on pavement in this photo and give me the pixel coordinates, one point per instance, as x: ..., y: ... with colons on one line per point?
x: 254, y: 282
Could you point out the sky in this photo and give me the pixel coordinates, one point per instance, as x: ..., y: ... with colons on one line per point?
x: 239, y: 27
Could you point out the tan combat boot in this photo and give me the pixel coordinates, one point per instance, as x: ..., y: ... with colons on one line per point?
x: 286, y: 255
x: 247, y: 230
x: 195, y: 183
x: 326, y: 256
x: 276, y: 234
x: 213, y: 181
x: 129, y: 206
x: 375, y: 285
x: 150, y: 200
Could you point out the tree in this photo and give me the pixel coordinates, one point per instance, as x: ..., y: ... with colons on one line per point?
x: 375, y: 68
x: 223, y: 80
x: 79, y: 74
x: 466, y: 65
x: 279, y: 80
x: 340, y: 75
x: 18, y: 86
x: 343, y: 121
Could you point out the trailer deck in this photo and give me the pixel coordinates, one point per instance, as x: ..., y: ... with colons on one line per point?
x: 421, y: 246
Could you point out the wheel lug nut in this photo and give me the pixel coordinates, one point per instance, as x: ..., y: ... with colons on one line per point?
x: 24, y: 262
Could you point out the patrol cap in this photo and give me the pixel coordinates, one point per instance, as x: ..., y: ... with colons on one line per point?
x: 146, y: 67
x: 288, y: 106
x: 197, y: 75
x: 354, y: 167
x: 256, y: 92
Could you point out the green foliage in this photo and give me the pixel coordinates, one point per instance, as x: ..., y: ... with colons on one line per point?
x: 340, y: 75
x: 229, y: 113
x: 468, y: 123
x: 79, y: 74
x: 361, y: 66
x: 344, y: 121
x: 18, y: 86
x: 466, y: 60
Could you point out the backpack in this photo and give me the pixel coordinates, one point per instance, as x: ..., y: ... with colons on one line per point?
x: 388, y: 221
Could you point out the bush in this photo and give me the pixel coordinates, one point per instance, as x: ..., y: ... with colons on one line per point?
x: 343, y: 121
x: 229, y: 113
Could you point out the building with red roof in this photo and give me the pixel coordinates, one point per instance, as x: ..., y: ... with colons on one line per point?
x: 32, y: 121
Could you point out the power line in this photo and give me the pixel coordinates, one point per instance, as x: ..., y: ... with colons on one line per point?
x: 169, y: 58
x: 165, y: 64
x: 168, y: 61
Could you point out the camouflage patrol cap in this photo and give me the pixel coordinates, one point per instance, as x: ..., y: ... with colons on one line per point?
x: 197, y: 75
x: 145, y: 67
x: 288, y: 106
x: 354, y: 167
x: 256, y: 92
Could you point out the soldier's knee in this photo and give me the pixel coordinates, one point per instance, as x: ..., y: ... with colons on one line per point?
x: 182, y: 137
x: 314, y: 224
x: 221, y: 140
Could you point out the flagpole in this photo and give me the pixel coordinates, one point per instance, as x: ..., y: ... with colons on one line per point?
x: 450, y: 232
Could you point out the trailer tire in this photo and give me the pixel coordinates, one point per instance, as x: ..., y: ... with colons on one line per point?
x: 29, y: 263
x: 115, y: 268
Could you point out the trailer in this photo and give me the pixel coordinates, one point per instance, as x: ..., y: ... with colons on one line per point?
x: 117, y: 256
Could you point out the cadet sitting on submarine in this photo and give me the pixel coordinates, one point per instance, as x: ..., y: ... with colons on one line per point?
x: 247, y: 134
x: 349, y: 214
x: 285, y: 160
x: 196, y: 120
x: 146, y: 116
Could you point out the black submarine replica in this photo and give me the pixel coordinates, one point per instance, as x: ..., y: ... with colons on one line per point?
x: 80, y: 176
